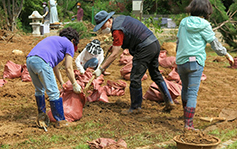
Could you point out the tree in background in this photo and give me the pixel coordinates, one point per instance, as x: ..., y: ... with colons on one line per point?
x: 225, y: 21
x: 12, y: 10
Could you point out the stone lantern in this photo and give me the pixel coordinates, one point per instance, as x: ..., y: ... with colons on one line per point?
x: 36, y: 22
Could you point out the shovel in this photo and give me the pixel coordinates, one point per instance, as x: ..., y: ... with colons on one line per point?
x: 225, y: 115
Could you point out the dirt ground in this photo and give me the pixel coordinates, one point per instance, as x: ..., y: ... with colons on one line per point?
x: 18, y: 107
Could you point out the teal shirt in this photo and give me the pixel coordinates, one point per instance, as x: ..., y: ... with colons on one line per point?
x: 194, y: 33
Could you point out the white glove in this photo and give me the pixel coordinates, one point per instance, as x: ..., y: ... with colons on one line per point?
x: 76, y: 88
x: 230, y: 58
x: 98, y: 72
x: 44, y: 16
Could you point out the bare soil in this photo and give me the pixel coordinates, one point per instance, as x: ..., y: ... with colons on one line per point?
x: 18, y: 107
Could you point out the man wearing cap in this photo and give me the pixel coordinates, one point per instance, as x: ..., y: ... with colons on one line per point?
x: 143, y: 46
x: 79, y: 13
x: 91, y: 57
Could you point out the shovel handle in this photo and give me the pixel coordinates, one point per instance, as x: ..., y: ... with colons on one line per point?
x: 210, y: 119
x: 89, y: 83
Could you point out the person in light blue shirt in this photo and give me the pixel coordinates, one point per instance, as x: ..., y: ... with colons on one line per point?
x: 42, y: 64
x: 193, y: 35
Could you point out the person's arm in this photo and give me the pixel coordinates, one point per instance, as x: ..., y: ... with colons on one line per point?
x: 45, y: 14
x: 117, y: 44
x: 58, y: 75
x: 100, y: 58
x: 221, y: 51
x: 112, y: 57
x: 177, y: 44
x: 78, y: 62
x: 70, y: 74
x: 69, y: 68
x: 108, y: 61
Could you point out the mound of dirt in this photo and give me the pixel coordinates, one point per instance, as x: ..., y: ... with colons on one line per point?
x: 197, y: 137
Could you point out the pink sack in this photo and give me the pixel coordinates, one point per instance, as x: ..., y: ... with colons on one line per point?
x: 168, y: 62
x: 125, y: 71
x: 153, y: 92
x: 126, y: 52
x: 163, y: 54
x: 12, y: 70
x: 83, y: 78
x: 107, y: 143
x: 72, y: 104
x: 2, y: 82
x: 234, y: 65
x: 124, y: 59
x: 174, y: 76
x: 98, y: 94
x: 25, y: 76
x: 115, y: 89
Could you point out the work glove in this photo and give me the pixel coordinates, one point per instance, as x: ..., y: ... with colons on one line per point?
x: 98, y: 72
x: 230, y: 59
x: 76, y: 87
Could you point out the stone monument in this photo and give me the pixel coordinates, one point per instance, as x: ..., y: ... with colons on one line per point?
x: 36, y: 22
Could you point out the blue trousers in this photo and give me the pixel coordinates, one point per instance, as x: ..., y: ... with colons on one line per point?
x: 43, y: 78
x: 190, y: 74
x: 92, y: 63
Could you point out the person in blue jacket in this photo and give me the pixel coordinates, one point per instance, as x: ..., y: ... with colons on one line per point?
x: 193, y: 35
x: 42, y: 64
x: 143, y: 46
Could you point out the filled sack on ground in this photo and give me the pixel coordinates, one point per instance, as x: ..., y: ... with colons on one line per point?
x: 12, y: 70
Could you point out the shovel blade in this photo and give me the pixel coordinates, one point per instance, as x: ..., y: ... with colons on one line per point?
x: 229, y: 114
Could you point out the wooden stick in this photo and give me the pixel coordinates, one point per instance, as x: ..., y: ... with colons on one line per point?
x: 210, y: 119
x: 88, y: 84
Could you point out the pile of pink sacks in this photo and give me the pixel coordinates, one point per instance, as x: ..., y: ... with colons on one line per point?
x: 12, y: 70
x: 73, y: 103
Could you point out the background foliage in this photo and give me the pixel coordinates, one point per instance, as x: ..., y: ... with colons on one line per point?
x: 224, y: 11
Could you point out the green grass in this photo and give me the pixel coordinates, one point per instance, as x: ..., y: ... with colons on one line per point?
x: 233, y: 146
x: 6, y: 146
x: 224, y: 135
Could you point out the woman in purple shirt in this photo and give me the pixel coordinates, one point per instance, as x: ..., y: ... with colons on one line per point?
x: 42, y: 63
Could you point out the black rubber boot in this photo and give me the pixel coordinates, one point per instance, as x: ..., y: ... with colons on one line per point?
x: 167, y: 97
x: 136, y: 101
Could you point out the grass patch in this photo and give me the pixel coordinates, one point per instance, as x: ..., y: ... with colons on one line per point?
x: 224, y: 135
x: 233, y: 146
x: 82, y: 146
x: 6, y: 146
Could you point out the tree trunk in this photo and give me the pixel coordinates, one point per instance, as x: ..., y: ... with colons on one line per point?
x: 12, y: 12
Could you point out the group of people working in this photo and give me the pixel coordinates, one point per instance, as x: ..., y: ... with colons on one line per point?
x: 193, y: 35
